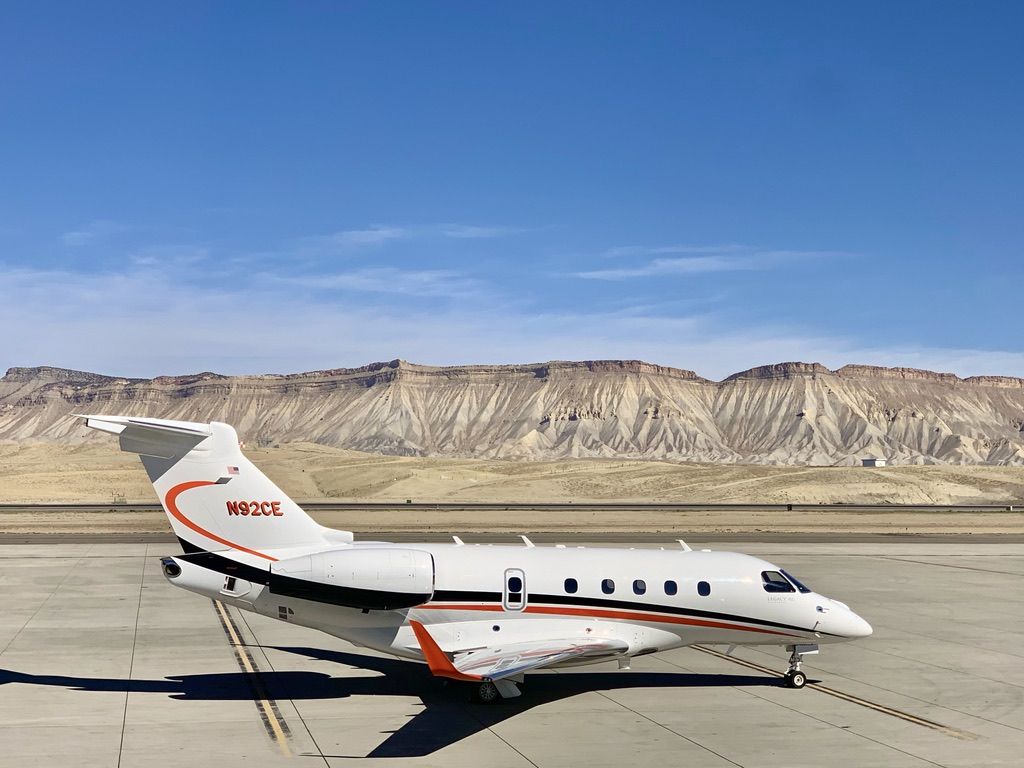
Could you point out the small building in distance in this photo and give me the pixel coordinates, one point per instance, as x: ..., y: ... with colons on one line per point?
x: 872, y: 462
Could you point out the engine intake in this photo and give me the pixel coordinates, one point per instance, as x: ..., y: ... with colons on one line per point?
x: 375, y: 578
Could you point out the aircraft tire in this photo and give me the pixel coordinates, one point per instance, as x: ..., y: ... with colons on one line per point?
x: 796, y: 679
x: 486, y: 693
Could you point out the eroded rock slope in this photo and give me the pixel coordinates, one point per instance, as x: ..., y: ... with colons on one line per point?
x: 790, y: 413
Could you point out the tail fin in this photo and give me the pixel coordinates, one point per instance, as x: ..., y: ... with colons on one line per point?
x: 215, y: 498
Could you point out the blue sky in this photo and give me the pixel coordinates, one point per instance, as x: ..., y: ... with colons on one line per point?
x: 260, y: 187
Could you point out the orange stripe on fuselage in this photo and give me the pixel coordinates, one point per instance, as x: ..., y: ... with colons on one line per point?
x: 607, y: 614
x: 172, y: 508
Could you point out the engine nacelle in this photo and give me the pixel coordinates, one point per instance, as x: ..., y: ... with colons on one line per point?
x: 375, y: 578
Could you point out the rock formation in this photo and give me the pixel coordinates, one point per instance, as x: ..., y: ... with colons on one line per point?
x: 788, y: 413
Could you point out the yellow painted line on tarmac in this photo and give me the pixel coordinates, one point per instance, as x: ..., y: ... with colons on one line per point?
x: 275, y: 725
x: 898, y: 713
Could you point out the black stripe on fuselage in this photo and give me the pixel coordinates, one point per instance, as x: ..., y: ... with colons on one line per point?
x: 214, y: 562
x: 188, y: 546
x: 443, y: 596
x: 465, y: 596
x: 303, y: 589
x: 348, y: 597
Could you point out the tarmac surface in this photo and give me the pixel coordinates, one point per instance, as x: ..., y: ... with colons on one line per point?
x: 103, y: 663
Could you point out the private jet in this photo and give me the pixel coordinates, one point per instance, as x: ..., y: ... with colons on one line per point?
x: 482, y: 614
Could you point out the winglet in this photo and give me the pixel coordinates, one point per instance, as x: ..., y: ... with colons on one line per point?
x: 440, y: 665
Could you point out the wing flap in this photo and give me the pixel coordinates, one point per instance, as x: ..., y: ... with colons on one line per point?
x: 503, y: 661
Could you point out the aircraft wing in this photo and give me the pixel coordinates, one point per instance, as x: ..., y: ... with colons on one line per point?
x: 503, y: 661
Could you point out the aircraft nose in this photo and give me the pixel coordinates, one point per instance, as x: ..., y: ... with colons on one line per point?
x: 853, y: 626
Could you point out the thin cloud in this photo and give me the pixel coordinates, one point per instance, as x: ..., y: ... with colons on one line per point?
x: 684, y: 266
x: 468, y: 231
x: 94, y: 230
x: 110, y: 323
x: 693, y: 265
x: 422, y: 282
x: 373, y: 235
x: 169, y: 255
x: 662, y: 250
x: 381, y: 234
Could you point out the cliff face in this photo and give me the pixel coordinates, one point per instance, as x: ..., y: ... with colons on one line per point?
x: 789, y: 413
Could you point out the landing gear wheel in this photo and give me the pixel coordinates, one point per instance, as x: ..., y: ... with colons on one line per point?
x: 486, y: 693
x: 796, y: 679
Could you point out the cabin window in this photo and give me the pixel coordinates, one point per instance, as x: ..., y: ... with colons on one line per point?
x: 775, y: 582
x: 703, y: 588
x: 607, y: 586
x: 796, y: 583
x: 639, y: 587
x: 515, y: 584
x: 571, y: 585
x: 671, y: 588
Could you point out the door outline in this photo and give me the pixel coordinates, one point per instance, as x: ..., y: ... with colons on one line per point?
x: 510, y: 599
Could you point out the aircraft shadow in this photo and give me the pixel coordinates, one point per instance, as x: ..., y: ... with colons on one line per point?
x: 447, y: 716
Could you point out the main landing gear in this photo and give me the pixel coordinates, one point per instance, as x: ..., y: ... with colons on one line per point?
x: 489, y: 692
x: 795, y: 678
x: 486, y: 693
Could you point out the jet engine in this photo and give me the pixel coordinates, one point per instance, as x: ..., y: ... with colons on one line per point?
x: 371, y: 578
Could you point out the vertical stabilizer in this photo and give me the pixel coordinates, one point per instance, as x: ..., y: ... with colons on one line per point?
x: 214, y: 497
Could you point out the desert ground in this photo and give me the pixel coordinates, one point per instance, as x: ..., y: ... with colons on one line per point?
x: 41, y: 473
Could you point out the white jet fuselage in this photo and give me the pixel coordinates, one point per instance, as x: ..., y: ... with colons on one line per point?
x: 649, y: 599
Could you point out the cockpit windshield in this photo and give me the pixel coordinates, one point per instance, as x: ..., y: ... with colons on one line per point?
x: 775, y: 582
x: 796, y: 582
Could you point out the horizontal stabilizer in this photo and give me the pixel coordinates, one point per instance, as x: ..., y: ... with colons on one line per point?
x: 161, y: 438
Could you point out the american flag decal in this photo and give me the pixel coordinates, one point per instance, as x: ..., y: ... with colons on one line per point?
x: 232, y: 470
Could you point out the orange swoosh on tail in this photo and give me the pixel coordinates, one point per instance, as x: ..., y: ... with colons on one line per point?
x: 172, y: 508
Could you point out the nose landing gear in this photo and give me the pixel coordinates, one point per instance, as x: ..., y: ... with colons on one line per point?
x: 795, y: 678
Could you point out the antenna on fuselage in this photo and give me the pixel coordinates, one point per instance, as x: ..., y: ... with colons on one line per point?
x: 684, y: 545
x: 458, y: 542
x: 526, y: 541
